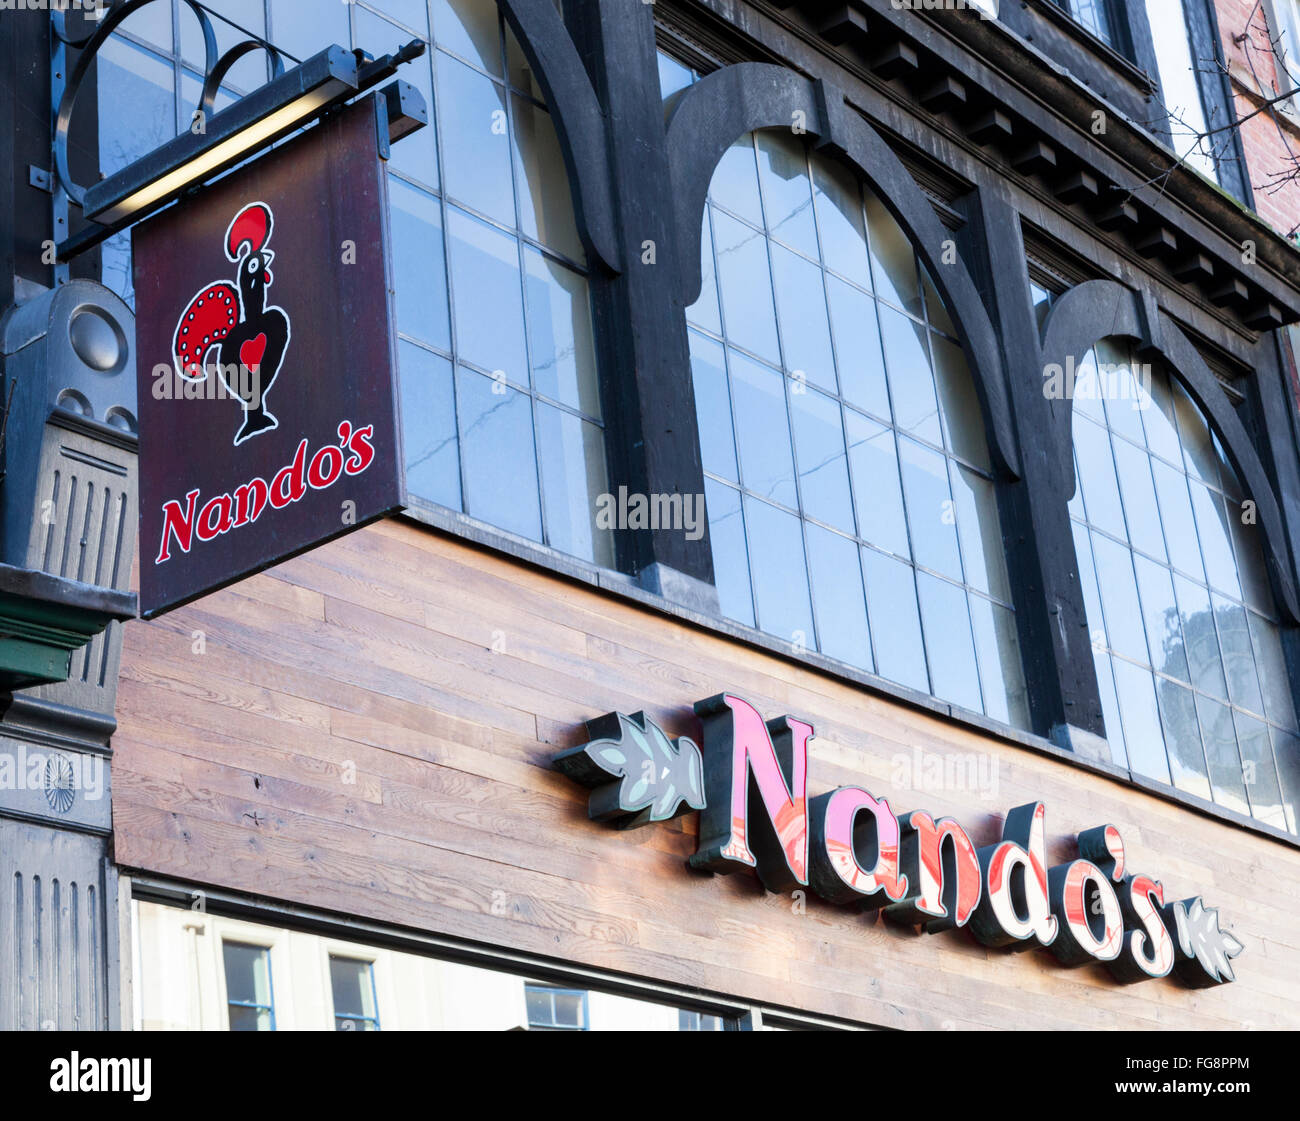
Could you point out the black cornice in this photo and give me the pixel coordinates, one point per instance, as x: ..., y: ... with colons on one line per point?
x: 1002, y: 93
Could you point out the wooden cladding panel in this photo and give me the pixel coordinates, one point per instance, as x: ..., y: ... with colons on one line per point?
x: 369, y: 729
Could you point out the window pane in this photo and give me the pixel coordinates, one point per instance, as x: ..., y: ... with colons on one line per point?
x: 1142, y: 731
x: 1183, y: 738
x: 1097, y: 477
x: 1248, y: 540
x: 1216, y: 548
x: 300, y: 29
x: 1258, y: 771
x: 353, y: 987
x: 673, y: 76
x: 787, y: 190
x: 948, y: 642
x: 735, y: 182
x: 805, y: 331
x: 840, y: 218
x: 730, y: 553
x: 1238, y: 658
x: 1158, y: 420
x: 713, y: 406
x: 417, y: 155
x: 1276, y: 686
x: 704, y: 312
x: 1119, y: 598
x: 1140, y: 510
x: 935, y: 311
x: 1286, y: 751
x: 1160, y: 614
x: 1200, y: 638
x: 470, y: 28
x: 746, y: 285
x: 997, y: 653
x: 877, y: 492
x: 930, y: 509
x: 559, y: 331
x: 982, y: 551
x: 248, y: 973
x: 545, y: 204
x: 419, y: 264
x: 475, y: 144
x: 429, y: 426
x: 496, y: 438
x: 963, y: 419
x: 572, y: 455
x: 823, y: 468
x: 893, y: 264
x: 895, y: 620
x: 762, y: 430
x: 1219, y: 736
x: 858, y: 354
x: 488, y: 297
x: 911, y: 381
x: 1176, y: 518
x: 138, y: 85
x: 838, y: 597
x: 780, y: 578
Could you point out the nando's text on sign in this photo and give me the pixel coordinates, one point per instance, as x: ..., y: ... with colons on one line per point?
x: 266, y: 363
x: 750, y: 784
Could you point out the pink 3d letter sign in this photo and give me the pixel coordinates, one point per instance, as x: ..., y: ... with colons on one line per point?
x: 750, y: 784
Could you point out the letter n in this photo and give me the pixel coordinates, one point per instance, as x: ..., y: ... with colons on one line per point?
x: 178, y: 524
x: 751, y: 764
x: 943, y: 873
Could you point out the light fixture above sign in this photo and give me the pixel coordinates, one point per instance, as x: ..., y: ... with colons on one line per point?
x: 216, y: 141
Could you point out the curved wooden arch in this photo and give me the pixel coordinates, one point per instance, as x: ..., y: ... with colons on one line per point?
x: 579, y: 121
x: 1101, y: 309
x: 712, y: 114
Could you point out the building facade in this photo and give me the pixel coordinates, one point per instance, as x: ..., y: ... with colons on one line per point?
x: 915, y: 372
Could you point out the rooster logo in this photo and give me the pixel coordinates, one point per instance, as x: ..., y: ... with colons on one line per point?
x: 232, y: 318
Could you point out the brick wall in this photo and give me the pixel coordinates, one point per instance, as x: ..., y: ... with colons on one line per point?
x: 1271, y: 138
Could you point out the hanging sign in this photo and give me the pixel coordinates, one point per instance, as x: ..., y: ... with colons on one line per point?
x: 750, y: 784
x: 266, y: 363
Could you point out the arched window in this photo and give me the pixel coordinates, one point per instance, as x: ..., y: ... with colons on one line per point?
x: 502, y: 413
x: 851, y: 501
x: 1184, y: 631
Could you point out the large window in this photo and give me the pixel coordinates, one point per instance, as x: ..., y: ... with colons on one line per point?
x: 851, y: 502
x: 1185, y: 635
x: 1188, y: 121
x: 249, y: 1003
x: 502, y: 413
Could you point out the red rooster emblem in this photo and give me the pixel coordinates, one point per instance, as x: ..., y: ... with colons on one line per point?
x: 249, y: 337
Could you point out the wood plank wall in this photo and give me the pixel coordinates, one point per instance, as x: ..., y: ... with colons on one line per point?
x: 369, y: 728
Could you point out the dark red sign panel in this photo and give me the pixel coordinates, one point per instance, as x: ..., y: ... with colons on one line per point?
x: 266, y: 364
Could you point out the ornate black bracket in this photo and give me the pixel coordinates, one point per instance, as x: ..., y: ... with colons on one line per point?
x: 579, y: 120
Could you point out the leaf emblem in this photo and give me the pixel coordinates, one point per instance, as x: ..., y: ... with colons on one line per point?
x: 636, y: 772
x: 1203, y: 948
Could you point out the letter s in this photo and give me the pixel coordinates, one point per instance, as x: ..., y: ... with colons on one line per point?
x: 363, y: 451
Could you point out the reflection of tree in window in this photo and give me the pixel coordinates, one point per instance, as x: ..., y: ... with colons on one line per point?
x: 1186, y: 638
